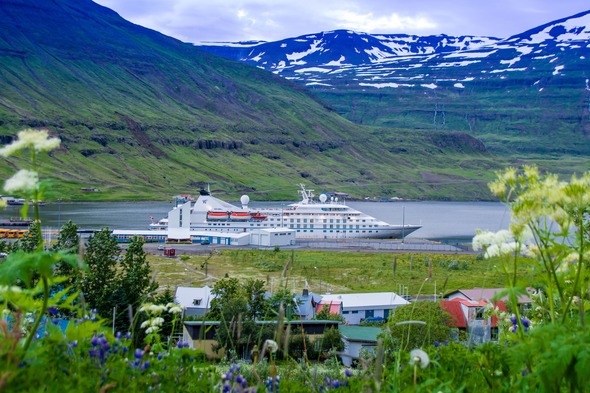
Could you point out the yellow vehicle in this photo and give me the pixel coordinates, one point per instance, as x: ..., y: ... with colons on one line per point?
x: 3, y: 233
x: 16, y: 233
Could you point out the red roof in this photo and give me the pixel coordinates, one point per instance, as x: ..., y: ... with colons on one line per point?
x: 502, y: 307
x: 453, y: 307
x: 333, y: 306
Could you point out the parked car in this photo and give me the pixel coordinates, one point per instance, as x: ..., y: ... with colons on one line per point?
x: 205, y: 242
x: 161, y: 247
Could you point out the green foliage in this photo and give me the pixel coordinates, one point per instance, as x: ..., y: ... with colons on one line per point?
x: 331, y: 340
x: 325, y: 315
x: 100, y: 281
x: 418, y: 325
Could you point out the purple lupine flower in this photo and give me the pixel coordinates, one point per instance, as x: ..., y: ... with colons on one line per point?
x: 145, y: 365
x: 234, y: 368
x: 160, y: 356
x: 525, y: 322
x: 335, y: 384
x: 118, y: 335
x: 436, y: 344
x: 95, y: 341
x: 73, y: 344
x: 513, y: 319
x: 348, y: 373
x: 138, y: 353
x: 52, y: 311
x: 55, y: 321
x: 128, y: 336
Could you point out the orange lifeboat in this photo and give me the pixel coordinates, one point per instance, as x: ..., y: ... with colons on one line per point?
x: 239, y: 216
x: 258, y: 216
x: 217, y: 216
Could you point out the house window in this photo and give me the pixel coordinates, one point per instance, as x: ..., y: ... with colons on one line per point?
x: 479, y: 313
x: 345, y: 312
x: 355, y: 312
x: 494, y: 334
x: 197, y: 302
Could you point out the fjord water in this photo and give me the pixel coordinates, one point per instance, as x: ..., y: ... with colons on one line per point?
x: 445, y: 221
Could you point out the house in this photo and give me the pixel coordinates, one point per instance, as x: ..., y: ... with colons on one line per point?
x: 487, y: 294
x: 357, y: 339
x: 201, y: 334
x: 469, y: 317
x: 333, y: 306
x: 357, y: 307
x: 306, y: 305
x: 195, y: 301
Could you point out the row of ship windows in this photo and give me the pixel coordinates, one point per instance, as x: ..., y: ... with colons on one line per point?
x: 311, y: 230
x: 298, y: 226
x: 311, y: 220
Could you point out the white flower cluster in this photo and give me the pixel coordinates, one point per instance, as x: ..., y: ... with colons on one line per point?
x: 501, y: 243
x: 153, y: 325
x: 23, y: 180
x: 38, y: 140
x: 154, y: 322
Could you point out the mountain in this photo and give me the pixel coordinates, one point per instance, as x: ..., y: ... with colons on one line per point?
x: 523, y: 96
x: 143, y: 116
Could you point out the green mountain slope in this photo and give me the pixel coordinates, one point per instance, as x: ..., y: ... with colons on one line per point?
x: 144, y: 116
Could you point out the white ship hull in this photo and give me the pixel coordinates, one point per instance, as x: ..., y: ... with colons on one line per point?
x: 324, y: 219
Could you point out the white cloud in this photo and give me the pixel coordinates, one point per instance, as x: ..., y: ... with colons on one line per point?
x: 272, y: 20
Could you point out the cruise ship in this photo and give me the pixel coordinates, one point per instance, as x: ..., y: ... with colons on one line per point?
x: 325, y: 218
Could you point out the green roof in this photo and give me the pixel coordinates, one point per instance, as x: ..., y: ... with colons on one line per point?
x: 360, y: 333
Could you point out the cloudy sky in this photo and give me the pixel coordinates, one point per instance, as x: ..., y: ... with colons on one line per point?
x: 272, y: 20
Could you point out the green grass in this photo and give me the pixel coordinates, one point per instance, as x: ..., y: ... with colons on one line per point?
x: 344, y: 272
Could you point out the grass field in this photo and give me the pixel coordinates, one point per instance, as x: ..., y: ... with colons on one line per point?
x: 336, y: 272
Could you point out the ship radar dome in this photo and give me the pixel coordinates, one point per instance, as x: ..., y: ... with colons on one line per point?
x: 245, y: 199
x: 323, y: 198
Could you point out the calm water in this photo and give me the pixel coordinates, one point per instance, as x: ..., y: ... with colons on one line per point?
x: 439, y: 220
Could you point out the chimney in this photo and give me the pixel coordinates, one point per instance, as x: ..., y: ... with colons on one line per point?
x: 305, y: 292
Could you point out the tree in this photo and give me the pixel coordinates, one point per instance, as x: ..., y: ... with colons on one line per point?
x: 68, y: 238
x: 100, y: 281
x: 325, y: 315
x: 238, y: 306
x: 68, y: 241
x: 136, y: 273
x: 32, y: 240
x: 418, y: 325
x: 134, y: 283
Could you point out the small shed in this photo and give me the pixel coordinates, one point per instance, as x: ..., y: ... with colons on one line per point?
x: 272, y: 237
x: 356, y: 340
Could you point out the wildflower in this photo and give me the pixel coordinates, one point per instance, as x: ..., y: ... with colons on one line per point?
x: 271, y: 345
x: 138, y: 353
x: 157, y: 321
x: 176, y: 309
x: 23, y: 180
x: 419, y: 357
x: 36, y: 139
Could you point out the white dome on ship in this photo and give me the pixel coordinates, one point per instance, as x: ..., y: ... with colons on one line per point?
x: 245, y: 199
x: 323, y: 198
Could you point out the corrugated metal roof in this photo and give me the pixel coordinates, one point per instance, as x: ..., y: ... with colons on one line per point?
x: 360, y: 333
x: 186, y: 296
x: 375, y: 299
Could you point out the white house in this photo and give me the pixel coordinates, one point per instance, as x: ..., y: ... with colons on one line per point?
x: 194, y: 301
x: 356, y: 340
x: 357, y: 307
